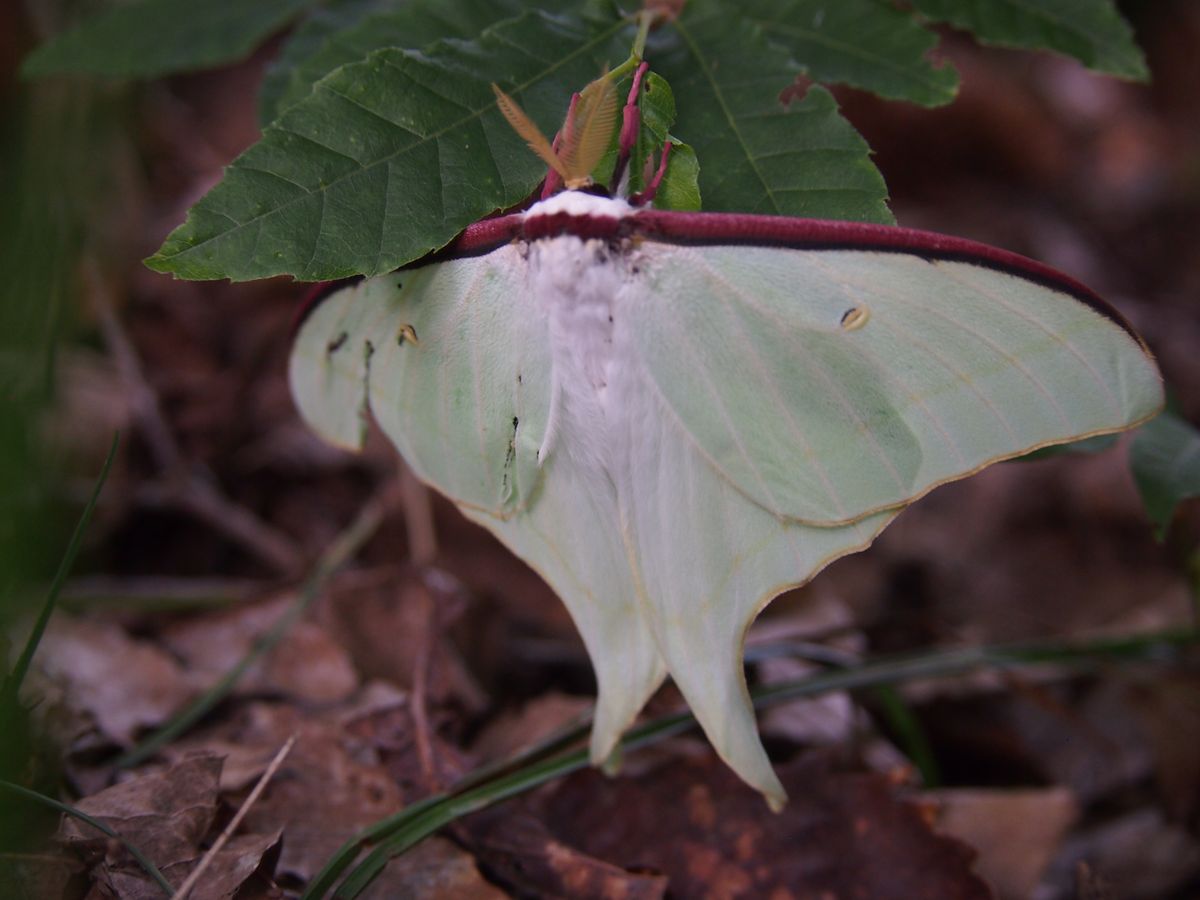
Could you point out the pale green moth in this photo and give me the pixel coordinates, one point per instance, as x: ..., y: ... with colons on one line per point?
x: 674, y: 417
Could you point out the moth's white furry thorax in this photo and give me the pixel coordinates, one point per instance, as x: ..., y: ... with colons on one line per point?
x: 577, y: 285
x: 579, y: 203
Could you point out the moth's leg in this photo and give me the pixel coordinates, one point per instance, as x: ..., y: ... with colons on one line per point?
x: 643, y: 197
x: 631, y: 119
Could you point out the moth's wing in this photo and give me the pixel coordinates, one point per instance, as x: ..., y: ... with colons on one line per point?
x: 572, y: 536
x: 327, y: 370
x: 449, y: 402
x: 452, y: 363
x: 952, y: 366
x: 766, y: 439
x: 709, y: 560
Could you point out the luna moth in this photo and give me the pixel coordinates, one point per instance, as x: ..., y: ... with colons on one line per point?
x: 673, y: 417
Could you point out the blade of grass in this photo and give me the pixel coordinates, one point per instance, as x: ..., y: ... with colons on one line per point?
x: 910, y: 734
x: 148, y: 867
x: 340, y: 551
x: 403, y: 830
x: 155, y: 595
x: 563, y: 738
x: 12, y: 684
x: 1193, y: 571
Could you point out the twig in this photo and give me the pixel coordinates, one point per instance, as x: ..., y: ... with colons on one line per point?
x: 1193, y: 571
x: 188, y: 486
x: 155, y: 593
x: 422, y: 733
x: 422, y: 548
x: 194, y: 876
x: 196, y: 494
x: 417, y: 506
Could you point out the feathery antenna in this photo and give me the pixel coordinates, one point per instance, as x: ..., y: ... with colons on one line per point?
x: 590, y: 131
x: 525, y: 127
x: 585, y: 136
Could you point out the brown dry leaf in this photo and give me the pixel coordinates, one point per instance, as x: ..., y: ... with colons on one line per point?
x: 1015, y: 832
x: 1136, y: 856
x: 809, y: 615
x: 165, y: 814
x: 91, y: 403
x: 39, y: 876
x: 121, y: 684
x: 1054, y: 555
x: 536, y: 720
x: 350, y: 767
x: 246, y: 863
x: 519, y: 852
x: 829, y: 720
x: 242, y: 764
x: 307, y: 664
x: 243, y: 868
x: 386, y: 732
x: 841, y: 835
x: 382, y: 624
x: 433, y: 870
x: 1169, y: 710
x: 1093, y: 744
x: 328, y: 788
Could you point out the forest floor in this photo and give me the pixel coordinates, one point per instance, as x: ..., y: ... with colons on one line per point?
x: 432, y: 651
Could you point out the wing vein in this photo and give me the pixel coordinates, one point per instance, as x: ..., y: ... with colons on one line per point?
x: 1040, y: 325
x: 812, y: 365
x: 719, y: 406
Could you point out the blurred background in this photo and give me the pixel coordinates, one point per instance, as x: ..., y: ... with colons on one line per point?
x: 219, y: 500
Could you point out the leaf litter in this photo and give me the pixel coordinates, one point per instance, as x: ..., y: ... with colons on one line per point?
x: 1104, y: 762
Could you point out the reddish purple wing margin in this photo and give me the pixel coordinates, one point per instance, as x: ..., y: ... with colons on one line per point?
x: 820, y: 234
x: 700, y: 228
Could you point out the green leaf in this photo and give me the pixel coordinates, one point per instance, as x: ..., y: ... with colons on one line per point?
x: 350, y: 30
x: 390, y: 157
x: 320, y: 28
x: 760, y: 155
x: 155, y: 37
x: 1165, y: 457
x: 867, y: 44
x: 680, y: 187
x: 1091, y: 31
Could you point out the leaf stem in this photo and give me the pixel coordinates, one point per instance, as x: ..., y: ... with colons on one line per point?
x: 644, y: 19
